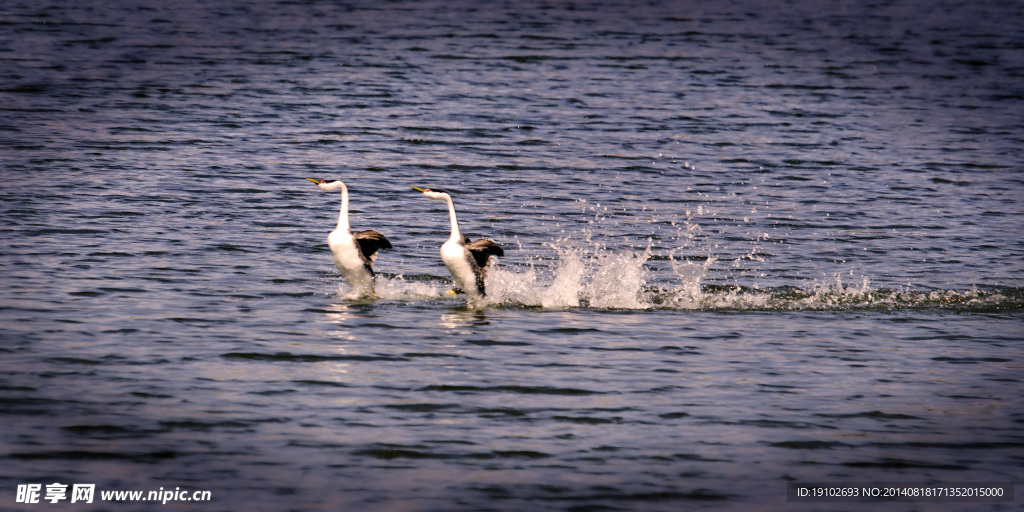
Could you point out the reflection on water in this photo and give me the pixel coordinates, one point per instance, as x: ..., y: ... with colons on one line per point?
x: 459, y: 317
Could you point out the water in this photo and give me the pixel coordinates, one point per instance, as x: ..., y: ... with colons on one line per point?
x: 744, y: 246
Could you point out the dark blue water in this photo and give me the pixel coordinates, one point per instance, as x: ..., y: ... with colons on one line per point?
x: 745, y: 245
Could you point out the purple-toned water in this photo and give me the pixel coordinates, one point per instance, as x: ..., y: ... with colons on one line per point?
x: 746, y: 245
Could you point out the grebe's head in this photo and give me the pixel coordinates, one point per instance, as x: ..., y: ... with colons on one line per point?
x: 440, y: 195
x: 327, y: 185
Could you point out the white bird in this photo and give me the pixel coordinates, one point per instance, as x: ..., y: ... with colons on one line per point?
x: 467, y: 261
x: 354, y: 251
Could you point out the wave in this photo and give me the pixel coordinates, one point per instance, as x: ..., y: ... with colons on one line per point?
x: 841, y: 297
x: 594, y: 277
x: 585, y: 270
x: 598, y: 278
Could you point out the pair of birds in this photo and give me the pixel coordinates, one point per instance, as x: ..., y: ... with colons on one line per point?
x: 355, y: 251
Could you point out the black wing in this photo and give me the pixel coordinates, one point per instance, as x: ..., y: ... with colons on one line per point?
x: 482, y: 250
x: 370, y: 242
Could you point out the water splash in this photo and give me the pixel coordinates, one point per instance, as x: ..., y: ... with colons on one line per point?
x: 582, y: 270
x: 832, y: 294
x: 398, y: 288
x: 597, y: 277
x: 395, y: 287
x: 579, y: 276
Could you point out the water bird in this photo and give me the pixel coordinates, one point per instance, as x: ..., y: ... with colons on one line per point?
x: 467, y: 260
x: 354, y: 251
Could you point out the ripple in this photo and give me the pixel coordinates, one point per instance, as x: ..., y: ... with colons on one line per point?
x: 305, y: 358
x: 524, y: 390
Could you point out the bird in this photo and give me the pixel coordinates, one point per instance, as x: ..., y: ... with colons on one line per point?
x: 354, y: 251
x: 467, y: 260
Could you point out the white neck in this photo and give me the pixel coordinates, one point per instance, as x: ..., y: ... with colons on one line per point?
x: 343, y: 215
x: 456, y: 234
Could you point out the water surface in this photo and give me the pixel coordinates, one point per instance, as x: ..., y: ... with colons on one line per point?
x: 744, y: 246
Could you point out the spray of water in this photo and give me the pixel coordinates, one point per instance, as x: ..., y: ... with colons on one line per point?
x: 578, y: 271
x: 399, y: 288
x: 579, y: 276
x: 394, y: 288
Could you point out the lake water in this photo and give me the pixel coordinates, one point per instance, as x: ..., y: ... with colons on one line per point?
x: 745, y: 246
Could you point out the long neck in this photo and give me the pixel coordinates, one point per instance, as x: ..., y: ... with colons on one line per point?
x: 343, y: 216
x: 456, y: 234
